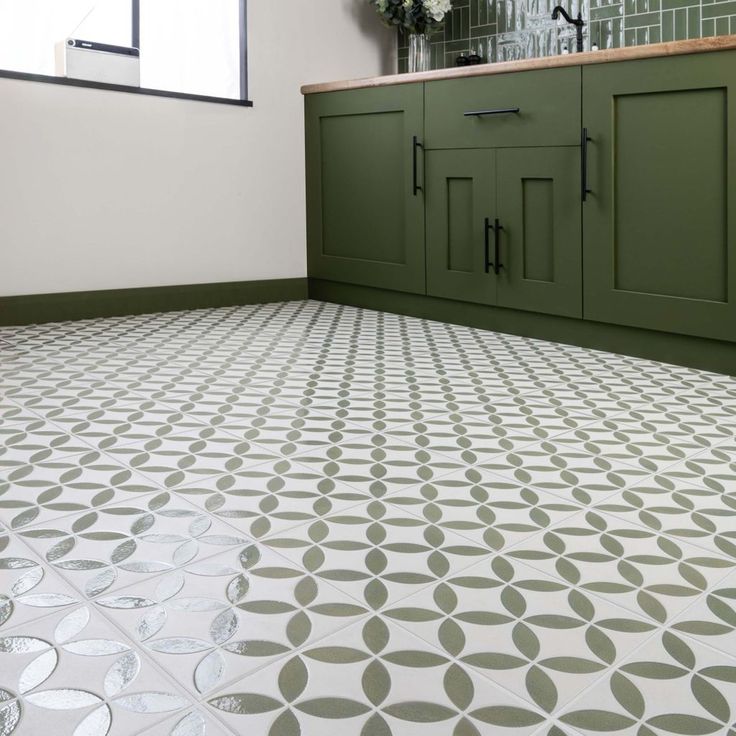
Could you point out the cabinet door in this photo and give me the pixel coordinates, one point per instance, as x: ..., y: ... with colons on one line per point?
x: 460, y: 196
x: 365, y: 216
x: 541, y: 249
x: 659, y: 225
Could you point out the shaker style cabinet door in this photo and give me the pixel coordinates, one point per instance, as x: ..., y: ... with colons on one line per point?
x: 365, y: 189
x: 539, y: 198
x: 461, y: 203
x: 660, y: 220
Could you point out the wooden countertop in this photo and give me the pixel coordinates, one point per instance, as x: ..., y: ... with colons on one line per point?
x: 673, y: 48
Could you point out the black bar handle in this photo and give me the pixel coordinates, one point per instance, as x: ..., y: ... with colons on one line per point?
x: 494, y: 264
x: 584, y: 140
x: 498, y: 111
x: 488, y: 263
x: 497, y: 265
x: 416, y: 145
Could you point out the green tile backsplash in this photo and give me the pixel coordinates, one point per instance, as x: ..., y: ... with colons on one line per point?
x: 503, y: 29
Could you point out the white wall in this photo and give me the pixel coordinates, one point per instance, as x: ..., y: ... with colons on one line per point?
x: 107, y: 190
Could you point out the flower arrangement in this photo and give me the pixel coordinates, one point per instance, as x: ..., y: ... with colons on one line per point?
x: 414, y: 16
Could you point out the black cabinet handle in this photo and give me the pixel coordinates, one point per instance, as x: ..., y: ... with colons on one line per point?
x: 416, y: 145
x: 498, y: 111
x: 584, y: 140
x: 495, y: 264
x: 488, y: 263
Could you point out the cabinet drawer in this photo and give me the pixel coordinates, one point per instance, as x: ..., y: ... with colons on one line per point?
x: 548, y: 103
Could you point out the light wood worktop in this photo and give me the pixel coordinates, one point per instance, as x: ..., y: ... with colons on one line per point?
x: 673, y: 48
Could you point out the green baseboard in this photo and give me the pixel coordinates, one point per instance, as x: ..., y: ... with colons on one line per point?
x: 38, y: 308
x: 692, y: 352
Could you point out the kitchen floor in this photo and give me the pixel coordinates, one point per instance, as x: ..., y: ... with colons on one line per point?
x: 305, y: 518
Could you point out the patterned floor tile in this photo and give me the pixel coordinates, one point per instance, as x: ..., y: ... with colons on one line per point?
x: 213, y: 410
x: 118, y: 426
x: 670, y: 686
x: 696, y: 413
x: 377, y: 553
x: 633, y: 445
x: 378, y: 466
x: 175, y: 460
x: 466, y: 439
x: 34, y: 440
x: 373, y: 525
x: 106, y: 549
x: 366, y: 680
x: 203, y: 400
x: 629, y: 565
x: 218, y: 620
x: 271, y: 498
x: 484, y: 507
x: 372, y: 408
x: 531, y: 415
x: 712, y: 618
x: 74, y: 673
x: 530, y: 633
x: 57, y: 401
x: 597, y: 400
x: 193, y: 722
x: 288, y: 430
x: 701, y: 428
x: 64, y: 485
x: 12, y: 414
x: 569, y: 472
x: 680, y: 504
x: 28, y: 588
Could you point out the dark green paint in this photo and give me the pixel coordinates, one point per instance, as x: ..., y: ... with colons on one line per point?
x: 38, y: 308
x: 539, y: 206
x: 660, y: 225
x: 534, y: 192
x: 536, y: 218
x: 365, y: 224
x: 456, y: 225
x: 548, y: 102
x: 693, y: 352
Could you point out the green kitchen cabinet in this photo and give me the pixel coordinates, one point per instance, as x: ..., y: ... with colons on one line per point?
x: 461, y: 195
x: 365, y: 198
x: 660, y: 219
x: 503, y: 228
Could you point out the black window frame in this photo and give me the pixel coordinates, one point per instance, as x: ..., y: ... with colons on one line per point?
x: 135, y: 13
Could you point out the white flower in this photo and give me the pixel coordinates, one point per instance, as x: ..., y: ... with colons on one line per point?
x: 436, y: 9
x: 382, y: 5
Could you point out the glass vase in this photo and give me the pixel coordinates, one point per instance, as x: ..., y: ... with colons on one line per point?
x: 419, y: 52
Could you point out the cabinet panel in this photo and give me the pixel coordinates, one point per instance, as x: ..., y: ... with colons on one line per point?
x: 539, y: 203
x: 365, y: 204
x: 460, y: 196
x: 655, y: 234
x: 548, y: 103
x: 660, y: 244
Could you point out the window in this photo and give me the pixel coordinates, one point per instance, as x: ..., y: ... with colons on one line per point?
x: 187, y: 47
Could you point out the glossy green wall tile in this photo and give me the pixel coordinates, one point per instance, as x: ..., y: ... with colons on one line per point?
x: 475, y: 26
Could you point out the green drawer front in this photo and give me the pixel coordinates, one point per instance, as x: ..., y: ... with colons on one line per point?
x: 548, y: 101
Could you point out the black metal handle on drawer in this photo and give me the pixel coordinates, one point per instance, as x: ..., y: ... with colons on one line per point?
x: 498, y: 111
x: 584, y: 140
x: 495, y: 264
x: 416, y: 145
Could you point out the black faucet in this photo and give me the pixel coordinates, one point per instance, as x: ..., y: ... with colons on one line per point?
x: 578, y: 22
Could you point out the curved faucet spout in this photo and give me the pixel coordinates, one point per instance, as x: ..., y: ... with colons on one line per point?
x: 578, y: 22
